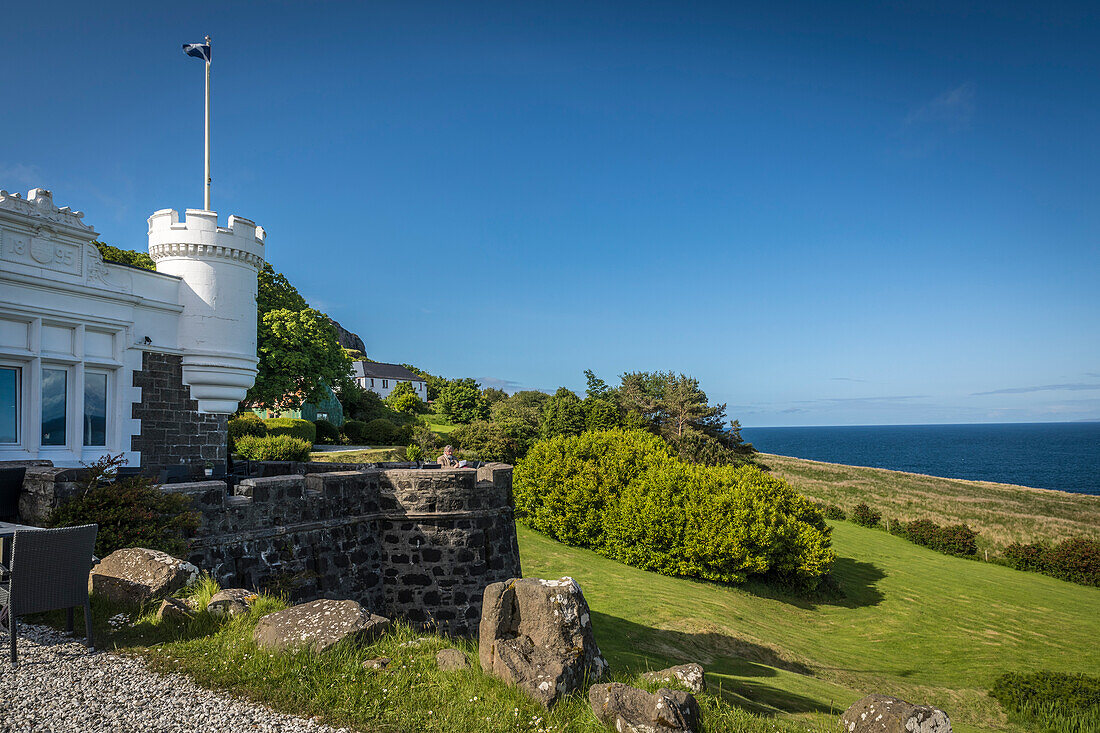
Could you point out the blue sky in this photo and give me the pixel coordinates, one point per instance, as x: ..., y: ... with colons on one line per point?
x: 830, y: 213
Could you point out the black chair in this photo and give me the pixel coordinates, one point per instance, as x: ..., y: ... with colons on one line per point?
x: 11, y: 483
x: 49, y: 572
x: 174, y: 475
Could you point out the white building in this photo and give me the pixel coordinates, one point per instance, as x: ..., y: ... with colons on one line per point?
x: 382, y: 378
x: 99, y: 358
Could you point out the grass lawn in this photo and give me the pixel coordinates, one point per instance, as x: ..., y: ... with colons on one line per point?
x: 439, y: 425
x: 1001, y: 512
x: 924, y: 626
x: 370, y: 455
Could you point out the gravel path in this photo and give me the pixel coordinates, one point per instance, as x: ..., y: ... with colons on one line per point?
x: 60, y: 686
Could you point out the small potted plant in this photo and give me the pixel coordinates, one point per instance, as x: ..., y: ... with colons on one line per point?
x: 209, y: 469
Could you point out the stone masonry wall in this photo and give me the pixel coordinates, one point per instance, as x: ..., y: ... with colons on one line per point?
x: 173, y: 431
x: 419, y: 544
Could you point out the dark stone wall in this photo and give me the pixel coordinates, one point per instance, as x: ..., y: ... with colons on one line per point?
x: 173, y: 431
x: 419, y: 544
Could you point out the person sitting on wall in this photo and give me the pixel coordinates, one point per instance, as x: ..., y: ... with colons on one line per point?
x: 448, y: 459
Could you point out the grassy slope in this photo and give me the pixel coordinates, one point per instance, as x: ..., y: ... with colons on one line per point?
x: 369, y: 455
x: 1003, y: 513
x: 915, y: 623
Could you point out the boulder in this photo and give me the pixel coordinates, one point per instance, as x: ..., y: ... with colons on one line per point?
x: 136, y: 575
x: 230, y: 602
x: 451, y: 660
x: 884, y: 714
x: 537, y: 635
x: 688, y: 675
x: 173, y: 609
x: 318, y: 625
x: 630, y: 710
x: 376, y: 663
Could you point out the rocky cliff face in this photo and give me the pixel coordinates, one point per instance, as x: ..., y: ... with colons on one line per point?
x: 348, y: 339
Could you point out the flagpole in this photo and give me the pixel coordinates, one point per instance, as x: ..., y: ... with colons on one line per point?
x: 206, y: 181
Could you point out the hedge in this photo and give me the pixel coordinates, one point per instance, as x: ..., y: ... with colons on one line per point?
x: 248, y: 423
x: 1076, y: 560
x: 292, y: 426
x: 327, y: 433
x: 624, y: 495
x: 274, y: 448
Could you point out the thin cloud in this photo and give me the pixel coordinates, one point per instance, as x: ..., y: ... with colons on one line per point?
x: 496, y: 383
x: 21, y: 177
x: 847, y: 400
x: 848, y: 379
x: 953, y: 109
x: 1075, y: 386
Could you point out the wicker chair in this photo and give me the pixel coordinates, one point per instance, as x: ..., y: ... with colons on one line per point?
x: 49, y: 571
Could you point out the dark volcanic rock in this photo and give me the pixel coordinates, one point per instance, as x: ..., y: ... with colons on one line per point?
x: 884, y: 714
x: 347, y: 339
x: 630, y: 710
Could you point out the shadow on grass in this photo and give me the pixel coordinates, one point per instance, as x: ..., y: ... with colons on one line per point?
x: 852, y: 584
x: 728, y: 661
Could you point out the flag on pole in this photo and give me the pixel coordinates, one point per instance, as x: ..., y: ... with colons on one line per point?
x: 198, y: 50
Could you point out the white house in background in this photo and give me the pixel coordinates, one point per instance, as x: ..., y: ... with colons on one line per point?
x: 98, y: 358
x: 382, y: 378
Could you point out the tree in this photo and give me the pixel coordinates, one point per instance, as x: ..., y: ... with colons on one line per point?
x: 298, y: 355
x: 597, y: 388
x: 486, y: 441
x: 298, y: 347
x: 435, y: 384
x: 460, y: 401
x: 562, y: 415
x: 125, y: 256
x: 600, y: 413
x: 403, y: 398
x: 520, y: 416
x: 493, y: 395
x: 274, y: 291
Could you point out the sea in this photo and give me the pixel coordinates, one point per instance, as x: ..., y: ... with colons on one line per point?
x: 1063, y: 456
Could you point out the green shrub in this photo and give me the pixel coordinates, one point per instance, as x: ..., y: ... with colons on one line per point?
x: 248, y: 423
x: 832, y: 511
x: 486, y: 441
x: 956, y: 539
x: 327, y: 433
x: 563, y: 484
x: 722, y: 524
x: 354, y: 431
x: 865, y: 516
x: 274, y: 448
x: 1076, y: 560
x: 624, y: 495
x: 1051, y: 701
x: 292, y: 426
x: 380, y: 432
x: 426, y: 438
x: 414, y: 452
x: 921, y: 531
x: 131, y: 512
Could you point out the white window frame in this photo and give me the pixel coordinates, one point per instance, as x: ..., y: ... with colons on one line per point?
x: 108, y: 424
x: 20, y: 368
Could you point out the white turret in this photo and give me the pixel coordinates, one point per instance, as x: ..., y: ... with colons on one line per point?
x: 217, y: 330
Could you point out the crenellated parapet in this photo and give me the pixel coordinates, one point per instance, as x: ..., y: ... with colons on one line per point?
x: 199, y: 236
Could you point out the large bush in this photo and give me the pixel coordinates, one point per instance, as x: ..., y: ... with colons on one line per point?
x: 1076, y: 560
x: 131, y: 512
x: 723, y: 524
x: 292, y: 426
x: 865, y: 516
x: 623, y: 494
x: 354, y: 432
x: 564, y: 484
x: 955, y: 539
x: 380, y: 432
x: 274, y: 448
x: 327, y: 433
x: 248, y: 423
x: 486, y: 441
